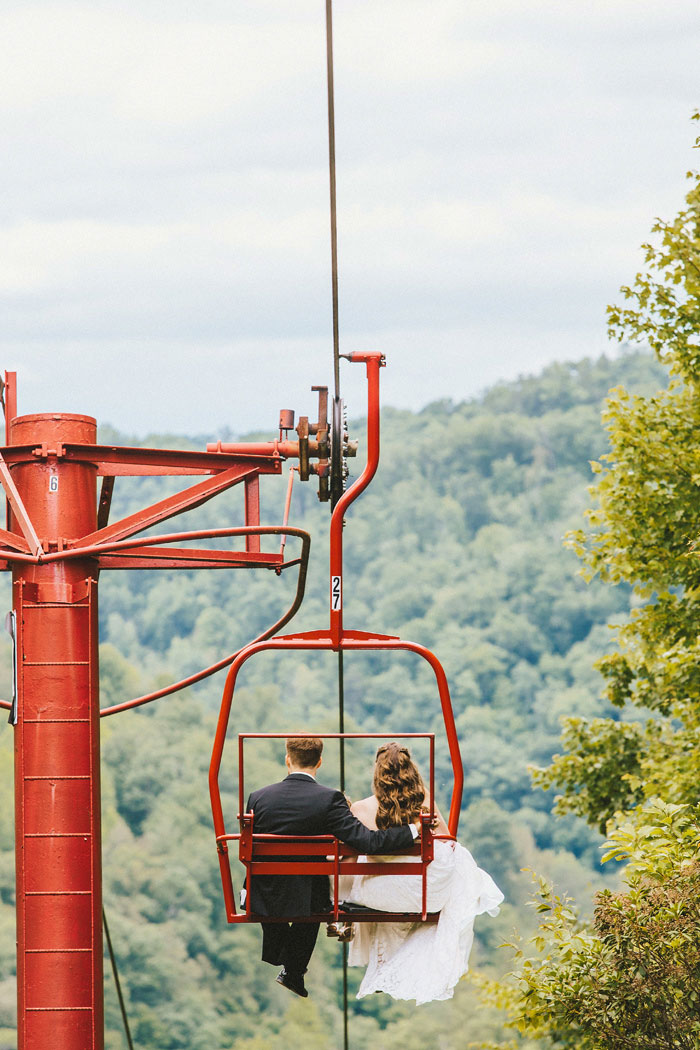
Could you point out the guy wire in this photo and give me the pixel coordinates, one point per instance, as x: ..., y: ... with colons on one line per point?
x: 117, y: 982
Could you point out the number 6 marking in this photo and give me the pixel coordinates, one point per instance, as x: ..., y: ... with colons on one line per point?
x: 336, y: 593
x: 53, y: 483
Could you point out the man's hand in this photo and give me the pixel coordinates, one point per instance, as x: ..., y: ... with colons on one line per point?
x: 433, y: 822
x: 418, y: 824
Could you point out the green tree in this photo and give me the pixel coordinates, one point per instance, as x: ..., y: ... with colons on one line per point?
x: 630, y: 978
x: 643, y: 531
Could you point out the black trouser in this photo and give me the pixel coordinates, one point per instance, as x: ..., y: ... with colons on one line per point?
x: 289, y: 945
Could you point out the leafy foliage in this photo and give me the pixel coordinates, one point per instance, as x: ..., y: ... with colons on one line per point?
x: 630, y: 978
x: 599, y: 773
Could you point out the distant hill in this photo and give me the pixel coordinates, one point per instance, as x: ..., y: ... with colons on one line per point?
x: 456, y: 545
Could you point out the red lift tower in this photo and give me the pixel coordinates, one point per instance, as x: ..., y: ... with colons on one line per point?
x: 56, y: 542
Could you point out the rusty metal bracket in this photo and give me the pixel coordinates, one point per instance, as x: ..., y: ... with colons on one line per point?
x: 43, y: 451
x: 303, y: 433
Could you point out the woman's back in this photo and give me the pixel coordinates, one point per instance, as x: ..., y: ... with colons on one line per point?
x: 365, y: 809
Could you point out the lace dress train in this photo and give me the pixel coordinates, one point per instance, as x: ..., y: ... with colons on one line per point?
x: 421, y: 961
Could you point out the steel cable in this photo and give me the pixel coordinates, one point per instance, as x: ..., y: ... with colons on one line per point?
x: 341, y: 729
x: 117, y: 982
x: 331, y: 167
x: 336, y: 375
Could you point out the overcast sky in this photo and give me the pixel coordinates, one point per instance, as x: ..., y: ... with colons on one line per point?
x: 164, y: 244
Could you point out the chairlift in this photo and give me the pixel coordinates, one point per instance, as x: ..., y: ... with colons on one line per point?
x: 291, y: 853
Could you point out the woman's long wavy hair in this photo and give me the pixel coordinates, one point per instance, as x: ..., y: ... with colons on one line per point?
x: 398, y: 786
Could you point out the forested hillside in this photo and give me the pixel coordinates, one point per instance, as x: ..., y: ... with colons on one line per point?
x: 457, y: 545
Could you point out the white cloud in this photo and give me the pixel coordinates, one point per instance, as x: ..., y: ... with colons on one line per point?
x: 164, y: 192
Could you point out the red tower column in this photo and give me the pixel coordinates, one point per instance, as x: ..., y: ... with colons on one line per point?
x: 57, y: 772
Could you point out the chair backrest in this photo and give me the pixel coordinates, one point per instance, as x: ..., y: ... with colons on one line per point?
x: 265, y: 854
x: 323, y: 854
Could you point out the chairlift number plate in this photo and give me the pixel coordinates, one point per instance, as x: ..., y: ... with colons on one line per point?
x: 336, y: 593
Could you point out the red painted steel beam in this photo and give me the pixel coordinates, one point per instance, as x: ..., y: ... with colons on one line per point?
x: 19, y: 511
x: 10, y: 397
x: 10, y: 409
x: 188, y: 499
x: 189, y: 558
x: 252, y: 511
x: 123, y: 460
x: 57, y: 781
x: 111, y: 547
x: 105, y: 503
x: 285, y: 449
x: 12, y: 540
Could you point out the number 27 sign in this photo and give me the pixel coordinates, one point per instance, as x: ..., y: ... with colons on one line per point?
x: 336, y: 593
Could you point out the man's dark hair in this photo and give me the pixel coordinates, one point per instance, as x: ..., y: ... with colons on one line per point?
x: 304, y: 751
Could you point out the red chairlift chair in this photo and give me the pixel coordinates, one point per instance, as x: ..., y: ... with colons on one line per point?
x: 291, y: 853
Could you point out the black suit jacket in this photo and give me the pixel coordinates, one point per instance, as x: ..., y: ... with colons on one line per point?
x: 299, y: 805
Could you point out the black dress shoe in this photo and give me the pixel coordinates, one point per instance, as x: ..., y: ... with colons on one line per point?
x: 293, y: 981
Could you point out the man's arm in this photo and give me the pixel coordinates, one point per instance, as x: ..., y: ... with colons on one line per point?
x: 355, y: 834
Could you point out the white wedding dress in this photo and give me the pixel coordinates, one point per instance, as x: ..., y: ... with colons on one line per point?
x: 421, y: 961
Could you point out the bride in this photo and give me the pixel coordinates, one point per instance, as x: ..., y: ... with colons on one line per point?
x: 421, y: 961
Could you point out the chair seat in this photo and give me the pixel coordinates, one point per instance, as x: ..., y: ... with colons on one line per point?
x: 347, y: 913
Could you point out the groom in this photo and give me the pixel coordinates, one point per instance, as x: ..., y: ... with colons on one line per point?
x: 299, y: 805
